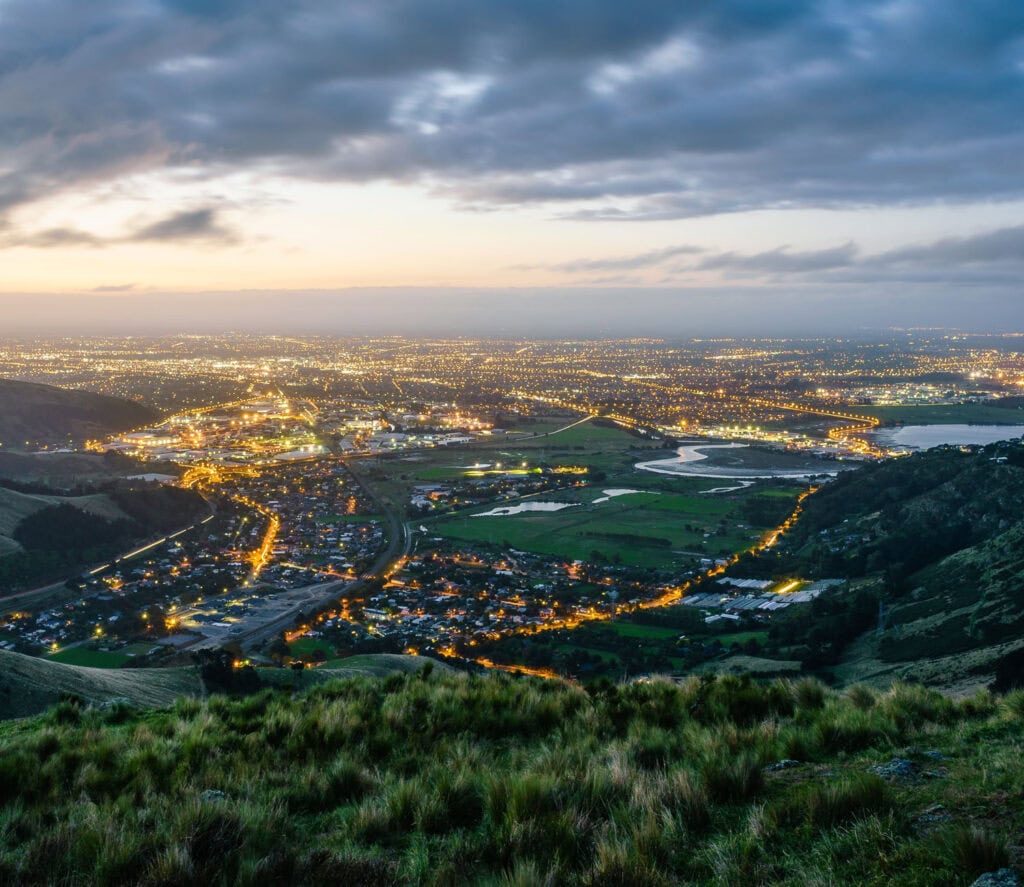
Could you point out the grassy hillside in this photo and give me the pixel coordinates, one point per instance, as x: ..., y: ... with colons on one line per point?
x: 16, y: 506
x: 458, y: 780
x: 42, y: 414
x: 71, y: 470
x: 370, y: 665
x: 937, y: 539
x: 44, y: 538
x: 29, y: 685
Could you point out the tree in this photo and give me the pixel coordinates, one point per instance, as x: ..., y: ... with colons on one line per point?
x: 279, y: 649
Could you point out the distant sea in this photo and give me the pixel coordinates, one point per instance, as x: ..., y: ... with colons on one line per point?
x: 922, y: 437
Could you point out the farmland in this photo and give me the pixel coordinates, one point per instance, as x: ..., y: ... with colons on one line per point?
x: 662, y: 531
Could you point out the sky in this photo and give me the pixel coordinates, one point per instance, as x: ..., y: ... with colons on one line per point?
x: 529, y: 167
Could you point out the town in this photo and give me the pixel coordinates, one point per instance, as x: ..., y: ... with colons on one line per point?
x: 453, y: 499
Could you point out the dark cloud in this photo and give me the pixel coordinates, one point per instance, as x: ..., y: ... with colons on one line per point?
x: 783, y: 261
x: 1002, y: 245
x: 988, y: 258
x: 114, y: 288
x: 201, y: 225
x: 196, y: 224
x: 645, y: 110
x: 634, y: 262
x: 53, y: 237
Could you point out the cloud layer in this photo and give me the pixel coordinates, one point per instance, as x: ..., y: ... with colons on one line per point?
x: 644, y: 110
x: 993, y: 256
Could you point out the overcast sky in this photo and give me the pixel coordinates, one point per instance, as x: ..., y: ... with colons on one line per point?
x: 547, y: 166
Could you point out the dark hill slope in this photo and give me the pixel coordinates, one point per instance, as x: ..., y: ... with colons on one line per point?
x: 905, y: 514
x: 45, y: 538
x: 941, y: 533
x: 43, y: 414
x: 29, y: 685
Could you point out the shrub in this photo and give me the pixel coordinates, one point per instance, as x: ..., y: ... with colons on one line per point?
x: 833, y: 804
x: 910, y: 706
x: 688, y: 799
x: 977, y: 851
x: 730, y: 780
x: 850, y: 729
x: 653, y: 747
x: 979, y: 705
x: 618, y: 864
x: 809, y: 694
x: 861, y: 697
x: 66, y: 712
x: 1013, y: 704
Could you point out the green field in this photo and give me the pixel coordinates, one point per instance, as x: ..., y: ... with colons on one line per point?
x: 308, y: 646
x: 138, y: 649
x: 645, y: 632
x: 642, y: 530
x: 588, y: 434
x: 663, y: 527
x: 604, y: 655
x: 90, y: 658
x: 741, y: 637
x: 944, y: 414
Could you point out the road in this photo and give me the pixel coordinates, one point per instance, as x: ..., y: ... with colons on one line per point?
x: 400, y: 538
x: 321, y: 594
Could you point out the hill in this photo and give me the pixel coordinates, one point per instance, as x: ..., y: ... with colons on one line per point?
x: 435, y: 779
x: 934, y: 540
x: 50, y: 537
x: 29, y: 685
x: 36, y: 414
x: 66, y: 471
x: 370, y: 665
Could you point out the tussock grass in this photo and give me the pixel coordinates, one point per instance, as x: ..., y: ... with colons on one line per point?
x: 452, y: 780
x: 977, y: 850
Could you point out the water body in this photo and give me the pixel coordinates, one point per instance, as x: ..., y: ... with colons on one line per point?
x: 611, y: 494
x: 922, y: 437
x: 508, y: 510
x: 742, y: 485
x: 689, y: 455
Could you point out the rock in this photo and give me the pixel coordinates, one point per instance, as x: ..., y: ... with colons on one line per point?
x: 899, y: 769
x: 784, y: 764
x: 905, y: 770
x: 937, y: 814
x: 213, y: 795
x: 1002, y: 878
x: 934, y: 755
